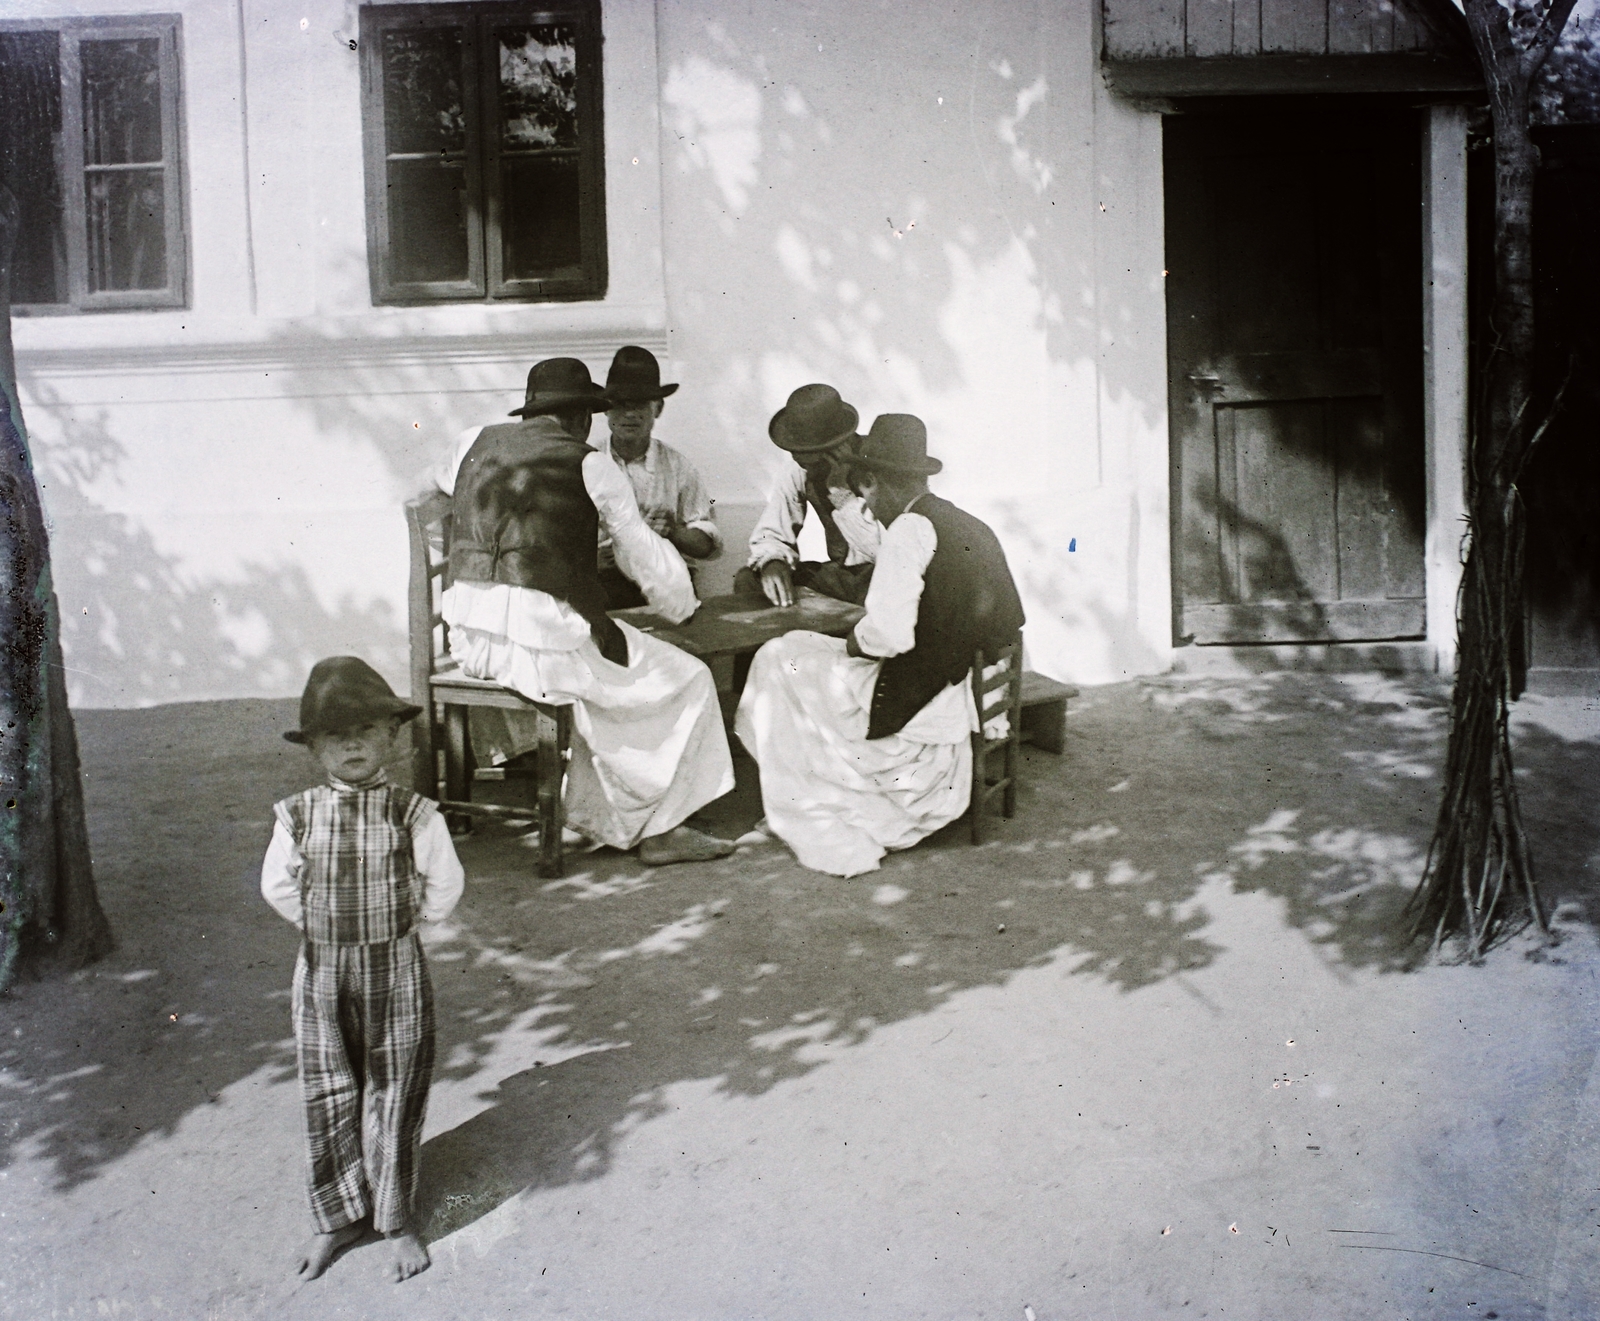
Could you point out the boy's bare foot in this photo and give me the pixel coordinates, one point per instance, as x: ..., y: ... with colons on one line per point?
x: 410, y: 1257
x: 320, y: 1250
x: 682, y: 844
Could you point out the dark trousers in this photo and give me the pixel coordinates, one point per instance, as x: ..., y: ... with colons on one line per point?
x: 842, y: 582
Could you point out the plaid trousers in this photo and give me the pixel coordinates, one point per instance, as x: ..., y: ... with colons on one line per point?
x: 363, y: 1027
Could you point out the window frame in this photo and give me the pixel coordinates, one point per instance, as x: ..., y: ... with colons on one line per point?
x: 486, y: 281
x: 73, y: 171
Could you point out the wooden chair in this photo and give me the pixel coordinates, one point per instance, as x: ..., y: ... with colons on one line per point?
x: 996, y: 688
x: 441, y: 747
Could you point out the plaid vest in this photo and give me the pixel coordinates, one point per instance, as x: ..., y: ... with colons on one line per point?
x: 359, y: 884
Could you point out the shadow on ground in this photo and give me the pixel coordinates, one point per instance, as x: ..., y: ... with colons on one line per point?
x: 568, y: 1009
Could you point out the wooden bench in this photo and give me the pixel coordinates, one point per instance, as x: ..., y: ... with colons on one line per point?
x: 1044, y: 711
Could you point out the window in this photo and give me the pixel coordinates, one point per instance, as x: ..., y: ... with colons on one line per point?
x: 91, y: 107
x: 485, y: 160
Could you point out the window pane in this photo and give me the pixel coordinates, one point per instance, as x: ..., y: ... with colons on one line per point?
x: 427, y: 221
x: 30, y: 109
x: 127, y: 230
x: 422, y: 91
x: 121, y: 101
x: 538, y: 86
x: 539, y: 215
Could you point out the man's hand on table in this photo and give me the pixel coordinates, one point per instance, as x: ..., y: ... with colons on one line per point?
x: 777, y: 583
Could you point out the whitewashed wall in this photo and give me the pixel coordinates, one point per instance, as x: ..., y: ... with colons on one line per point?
x: 948, y: 216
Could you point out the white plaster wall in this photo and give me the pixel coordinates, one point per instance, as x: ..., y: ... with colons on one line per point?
x: 949, y: 217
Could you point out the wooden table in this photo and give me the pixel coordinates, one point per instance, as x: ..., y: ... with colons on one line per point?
x: 737, y: 626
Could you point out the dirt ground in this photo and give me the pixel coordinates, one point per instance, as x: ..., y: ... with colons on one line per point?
x: 1154, y: 1051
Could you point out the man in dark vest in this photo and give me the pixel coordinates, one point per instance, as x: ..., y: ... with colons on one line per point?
x: 864, y: 744
x: 525, y: 609
x: 818, y: 430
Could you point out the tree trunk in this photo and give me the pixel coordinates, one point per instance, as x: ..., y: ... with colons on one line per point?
x: 1478, y: 883
x: 50, y: 915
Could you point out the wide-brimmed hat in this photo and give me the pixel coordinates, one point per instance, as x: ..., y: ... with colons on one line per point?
x: 557, y: 384
x: 897, y: 445
x: 814, y: 419
x: 344, y: 692
x: 635, y: 377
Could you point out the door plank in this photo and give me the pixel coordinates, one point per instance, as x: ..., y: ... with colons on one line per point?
x: 1294, y: 27
x: 1285, y: 513
x: 1209, y: 27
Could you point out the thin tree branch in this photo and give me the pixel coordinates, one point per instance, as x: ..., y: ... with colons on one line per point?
x: 1548, y: 34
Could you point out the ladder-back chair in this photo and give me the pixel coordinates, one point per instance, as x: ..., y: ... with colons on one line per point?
x: 441, y: 746
x: 996, y: 690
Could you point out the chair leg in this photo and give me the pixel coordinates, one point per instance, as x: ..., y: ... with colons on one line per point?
x: 456, y: 786
x: 551, y: 766
x: 1014, y: 741
x: 980, y: 784
x: 457, y: 775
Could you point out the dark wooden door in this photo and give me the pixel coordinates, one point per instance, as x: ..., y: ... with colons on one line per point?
x: 1295, y: 354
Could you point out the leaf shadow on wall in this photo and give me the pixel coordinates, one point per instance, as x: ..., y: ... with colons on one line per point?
x: 139, y: 626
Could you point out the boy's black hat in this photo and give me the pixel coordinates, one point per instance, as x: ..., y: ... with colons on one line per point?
x: 635, y: 377
x: 343, y: 692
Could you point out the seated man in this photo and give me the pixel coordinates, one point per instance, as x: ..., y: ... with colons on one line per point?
x: 864, y: 743
x: 525, y: 609
x: 665, y: 483
x: 819, y: 429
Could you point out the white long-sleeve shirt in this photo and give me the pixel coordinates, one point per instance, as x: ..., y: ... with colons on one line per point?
x: 536, y: 619
x: 777, y: 532
x: 431, y: 850
x: 890, y: 625
x: 666, y: 485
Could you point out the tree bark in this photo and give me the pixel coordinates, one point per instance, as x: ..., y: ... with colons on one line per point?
x: 1479, y: 883
x: 50, y: 915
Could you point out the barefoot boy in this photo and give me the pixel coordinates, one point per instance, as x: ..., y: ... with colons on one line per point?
x: 356, y: 864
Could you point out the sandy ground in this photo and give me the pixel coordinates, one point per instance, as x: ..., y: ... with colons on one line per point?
x: 1152, y: 1052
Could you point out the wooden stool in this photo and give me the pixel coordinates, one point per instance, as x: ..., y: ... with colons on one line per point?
x: 1044, y: 711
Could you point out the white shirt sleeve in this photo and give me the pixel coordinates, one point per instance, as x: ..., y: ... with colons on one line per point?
x: 649, y: 560
x: 438, y: 866
x: 444, y: 476
x: 890, y: 625
x: 694, y: 506
x: 280, y: 875
x: 777, y: 532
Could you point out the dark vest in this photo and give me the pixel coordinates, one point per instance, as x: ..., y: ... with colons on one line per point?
x: 968, y: 601
x: 522, y: 516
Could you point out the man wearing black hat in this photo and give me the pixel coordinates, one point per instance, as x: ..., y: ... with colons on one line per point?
x: 669, y: 491
x: 818, y: 430
x: 525, y: 609
x: 863, y: 744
